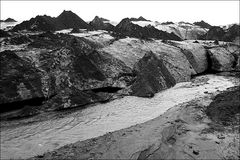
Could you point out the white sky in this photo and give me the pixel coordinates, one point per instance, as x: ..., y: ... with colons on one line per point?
x: 213, y: 12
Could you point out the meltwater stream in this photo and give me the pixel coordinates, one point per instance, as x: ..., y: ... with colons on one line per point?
x: 34, y: 139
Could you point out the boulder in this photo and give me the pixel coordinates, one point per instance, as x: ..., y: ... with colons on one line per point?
x: 128, y: 50
x: 70, y: 72
x: 174, y: 60
x: 237, y: 67
x: 235, y: 51
x: 72, y: 97
x: 131, y: 50
x: 152, y: 76
x: 221, y: 59
x: 195, y: 53
x: 59, y: 71
x: 19, y: 80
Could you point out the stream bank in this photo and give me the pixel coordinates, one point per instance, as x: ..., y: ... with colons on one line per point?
x: 29, y: 137
x: 186, y: 131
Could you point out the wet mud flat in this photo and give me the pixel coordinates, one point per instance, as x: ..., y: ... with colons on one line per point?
x: 203, y: 128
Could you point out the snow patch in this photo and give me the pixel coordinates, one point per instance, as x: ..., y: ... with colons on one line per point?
x: 111, y: 22
x: 89, y: 33
x: 181, y: 29
x: 8, y: 25
x: 65, y: 31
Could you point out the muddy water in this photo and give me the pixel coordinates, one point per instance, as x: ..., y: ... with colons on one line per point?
x: 25, y: 141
